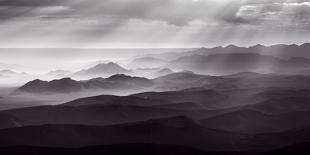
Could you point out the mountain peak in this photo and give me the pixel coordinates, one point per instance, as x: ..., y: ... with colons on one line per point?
x: 102, y: 70
x: 55, y: 86
x: 105, y: 65
x: 65, y: 79
x: 7, y: 71
x: 232, y: 46
x: 111, y: 63
x: 37, y: 80
x: 119, y: 76
x: 258, y: 46
x: 166, y: 71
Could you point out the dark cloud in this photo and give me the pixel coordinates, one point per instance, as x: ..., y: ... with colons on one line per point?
x: 11, y: 9
x: 174, y: 12
x: 31, y: 3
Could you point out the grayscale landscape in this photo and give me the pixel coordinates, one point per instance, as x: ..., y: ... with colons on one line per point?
x: 196, y: 77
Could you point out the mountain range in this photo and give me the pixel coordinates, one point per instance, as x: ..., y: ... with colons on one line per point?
x: 67, y: 85
x: 280, y: 50
x: 259, y: 113
x: 225, y: 64
x: 223, y: 100
x: 171, y: 82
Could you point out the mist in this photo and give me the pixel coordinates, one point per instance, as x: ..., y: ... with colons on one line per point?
x: 175, y: 77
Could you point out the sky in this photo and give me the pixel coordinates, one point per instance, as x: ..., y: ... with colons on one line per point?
x: 152, y: 23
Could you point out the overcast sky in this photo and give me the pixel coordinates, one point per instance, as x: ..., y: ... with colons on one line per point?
x: 152, y: 23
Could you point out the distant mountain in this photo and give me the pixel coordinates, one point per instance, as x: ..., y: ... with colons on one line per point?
x: 280, y: 50
x: 120, y: 81
x: 248, y: 75
x: 102, y: 70
x: 106, y: 100
x: 224, y: 64
x: 254, y: 80
x: 172, y: 82
x: 186, y: 80
x: 94, y: 63
x: 9, y: 73
x: 146, y: 62
x: 190, y: 76
x: 168, y: 56
x: 67, y: 85
x: 159, y: 73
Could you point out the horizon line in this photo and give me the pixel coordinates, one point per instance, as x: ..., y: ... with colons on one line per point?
x: 196, y: 47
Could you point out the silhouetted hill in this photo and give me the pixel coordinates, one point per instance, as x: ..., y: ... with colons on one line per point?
x: 283, y: 105
x: 250, y: 121
x: 171, y: 82
x: 206, y: 98
x: 121, y: 81
x: 179, y: 131
x: 300, y: 149
x: 115, y: 100
x: 7, y: 121
x: 248, y: 75
x: 186, y: 80
x: 176, y: 130
x: 255, y: 80
x: 117, y: 149
x: 67, y: 85
x: 102, y: 110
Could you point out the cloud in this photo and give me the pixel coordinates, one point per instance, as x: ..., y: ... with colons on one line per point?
x: 30, y: 3
x: 174, y: 22
x: 177, y: 12
x: 279, y: 13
